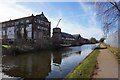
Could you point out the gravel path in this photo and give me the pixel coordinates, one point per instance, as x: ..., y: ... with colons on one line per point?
x: 107, y: 65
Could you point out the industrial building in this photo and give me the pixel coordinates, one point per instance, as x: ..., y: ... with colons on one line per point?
x: 31, y: 29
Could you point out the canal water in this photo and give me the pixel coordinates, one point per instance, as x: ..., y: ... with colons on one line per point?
x: 47, y: 64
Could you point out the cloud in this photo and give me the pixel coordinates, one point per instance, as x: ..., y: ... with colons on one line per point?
x: 12, y: 10
x: 74, y: 28
x: 91, y: 30
x: 90, y: 12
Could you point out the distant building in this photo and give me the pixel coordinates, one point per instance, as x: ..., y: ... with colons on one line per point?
x: 77, y: 36
x: 57, y: 37
x: 35, y: 29
x: 67, y: 38
x: 61, y: 37
x: 80, y: 40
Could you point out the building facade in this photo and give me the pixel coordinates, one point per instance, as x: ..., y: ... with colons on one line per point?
x: 33, y: 29
x: 61, y: 37
x: 66, y: 38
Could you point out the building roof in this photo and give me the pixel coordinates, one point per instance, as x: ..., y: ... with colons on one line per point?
x: 66, y: 35
x: 42, y: 16
x: 77, y: 36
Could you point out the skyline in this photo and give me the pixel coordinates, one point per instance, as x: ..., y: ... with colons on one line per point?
x: 74, y: 15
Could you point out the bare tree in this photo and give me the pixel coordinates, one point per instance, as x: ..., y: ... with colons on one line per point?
x: 108, y: 13
x: 106, y: 29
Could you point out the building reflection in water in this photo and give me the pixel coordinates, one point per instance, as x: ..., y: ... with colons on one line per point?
x: 27, y: 66
x: 57, y: 58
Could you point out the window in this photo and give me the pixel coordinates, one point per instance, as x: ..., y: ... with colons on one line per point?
x: 29, y: 34
x: 29, y: 31
x: 42, y: 28
x: 27, y: 21
x: 39, y: 27
x: 7, y: 24
x: 29, y: 27
x: 21, y: 22
x: 45, y: 29
x: 42, y: 16
x: 41, y: 22
x: 12, y: 23
x: 10, y: 32
x: 46, y: 23
x: 3, y: 25
x: 16, y: 23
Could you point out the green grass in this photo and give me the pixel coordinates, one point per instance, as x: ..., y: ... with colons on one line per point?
x: 6, y: 46
x: 114, y: 50
x: 86, y: 68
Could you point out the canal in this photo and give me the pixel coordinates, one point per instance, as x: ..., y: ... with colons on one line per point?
x: 47, y: 64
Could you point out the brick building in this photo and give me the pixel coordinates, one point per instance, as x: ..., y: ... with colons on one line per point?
x: 35, y: 29
x: 62, y: 37
x: 66, y: 38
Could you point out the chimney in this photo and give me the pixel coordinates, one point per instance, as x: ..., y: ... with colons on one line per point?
x: 42, y: 12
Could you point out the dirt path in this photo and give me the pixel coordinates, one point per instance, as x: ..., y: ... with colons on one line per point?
x: 107, y: 65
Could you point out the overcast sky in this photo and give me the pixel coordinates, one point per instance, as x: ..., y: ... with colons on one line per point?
x: 76, y: 17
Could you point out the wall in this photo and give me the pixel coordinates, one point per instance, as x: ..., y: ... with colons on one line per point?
x: 114, y: 39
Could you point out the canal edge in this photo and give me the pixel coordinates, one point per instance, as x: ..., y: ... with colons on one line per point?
x: 81, y: 62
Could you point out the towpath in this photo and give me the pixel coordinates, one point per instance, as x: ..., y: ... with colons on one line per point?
x: 107, y: 65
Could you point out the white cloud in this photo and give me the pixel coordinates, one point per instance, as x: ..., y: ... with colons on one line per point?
x: 74, y: 28
x: 92, y: 30
x: 12, y: 10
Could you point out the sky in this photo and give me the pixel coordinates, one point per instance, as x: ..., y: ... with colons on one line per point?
x: 76, y: 17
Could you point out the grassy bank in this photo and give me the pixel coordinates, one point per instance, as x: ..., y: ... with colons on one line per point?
x: 114, y: 50
x: 86, y: 68
x: 6, y: 46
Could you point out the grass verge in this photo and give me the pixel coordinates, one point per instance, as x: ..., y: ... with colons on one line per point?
x: 6, y: 46
x: 86, y: 68
x: 114, y: 50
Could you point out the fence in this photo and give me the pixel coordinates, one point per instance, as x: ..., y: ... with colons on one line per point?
x: 114, y: 39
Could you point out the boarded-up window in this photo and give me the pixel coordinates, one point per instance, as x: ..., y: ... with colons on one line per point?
x: 10, y: 33
x: 3, y: 32
x: 29, y: 31
x: 27, y: 21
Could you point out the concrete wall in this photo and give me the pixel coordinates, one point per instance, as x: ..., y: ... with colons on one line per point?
x: 114, y: 39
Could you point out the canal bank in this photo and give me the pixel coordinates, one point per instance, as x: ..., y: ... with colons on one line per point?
x: 86, y: 67
x: 27, y: 48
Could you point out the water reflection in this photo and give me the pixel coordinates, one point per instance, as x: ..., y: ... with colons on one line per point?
x: 26, y: 66
x: 48, y: 64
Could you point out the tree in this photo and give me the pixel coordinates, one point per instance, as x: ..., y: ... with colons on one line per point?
x: 93, y: 40
x: 108, y: 13
x: 102, y: 40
